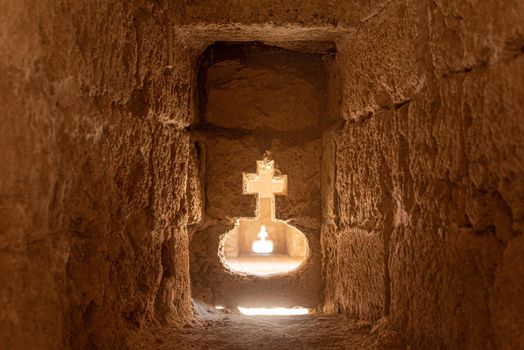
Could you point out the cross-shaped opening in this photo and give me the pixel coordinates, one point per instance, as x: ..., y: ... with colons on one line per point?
x: 263, y: 245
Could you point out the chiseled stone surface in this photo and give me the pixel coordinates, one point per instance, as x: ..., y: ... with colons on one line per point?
x: 287, y: 86
x: 419, y: 166
x: 307, y: 13
x: 430, y: 162
x: 93, y: 181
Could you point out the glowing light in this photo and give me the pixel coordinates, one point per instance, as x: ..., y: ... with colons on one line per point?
x: 263, y: 265
x: 277, y: 247
x: 219, y: 307
x: 262, y: 245
x: 273, y: 311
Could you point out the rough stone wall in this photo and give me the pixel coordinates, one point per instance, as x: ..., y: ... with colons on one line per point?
x: 422, y: 188
x: 258, y: 98
x: 96, y: 175
x: 429, y: 169
x: 274, y: 13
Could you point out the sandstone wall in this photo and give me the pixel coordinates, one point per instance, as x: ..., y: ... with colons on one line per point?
x: 421, y: 188
x: 96, y: 175
x: 429, y: 169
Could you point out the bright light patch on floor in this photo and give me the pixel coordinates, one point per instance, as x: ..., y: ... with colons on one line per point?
x: 264, y: 265
x: 273, y: 311
x: 219, y: 307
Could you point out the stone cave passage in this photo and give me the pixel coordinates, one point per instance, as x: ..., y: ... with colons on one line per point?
x: 137, y: 211
x: 263, y: 245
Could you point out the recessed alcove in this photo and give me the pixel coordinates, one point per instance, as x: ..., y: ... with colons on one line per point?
x: 257, y: 99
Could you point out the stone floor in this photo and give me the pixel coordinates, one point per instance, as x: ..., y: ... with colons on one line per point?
x: 223, y: 329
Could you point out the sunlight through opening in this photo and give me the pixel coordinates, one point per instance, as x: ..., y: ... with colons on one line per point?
x: 273, y: 311
x: 264, y: 245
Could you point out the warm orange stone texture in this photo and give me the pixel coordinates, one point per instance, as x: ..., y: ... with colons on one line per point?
x: 429, y: 174
x: 416, y: 164
x: 96, y: 181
